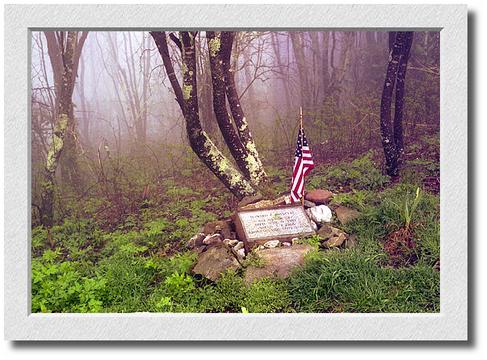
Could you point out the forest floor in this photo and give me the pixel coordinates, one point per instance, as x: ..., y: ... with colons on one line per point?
x: 139, y: 261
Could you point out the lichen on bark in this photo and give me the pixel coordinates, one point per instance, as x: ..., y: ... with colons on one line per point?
x: 57, y: 143
x: 238, y: 183
x: 187, y: 91
x: 214, y: 45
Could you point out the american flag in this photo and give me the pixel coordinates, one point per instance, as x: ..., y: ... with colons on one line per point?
x: 303, y: 163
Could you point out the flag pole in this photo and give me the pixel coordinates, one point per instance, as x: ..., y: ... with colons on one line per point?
x: 302, y: 135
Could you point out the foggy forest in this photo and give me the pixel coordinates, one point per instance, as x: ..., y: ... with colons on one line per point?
x: 144, y: 144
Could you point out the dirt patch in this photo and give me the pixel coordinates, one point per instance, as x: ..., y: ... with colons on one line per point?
x: 401, y: 248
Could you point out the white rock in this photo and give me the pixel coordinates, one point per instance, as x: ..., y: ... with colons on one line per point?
x: 320, y: 214
x: 271, y: 244
x: 286, y: 243
x: 241, y: 253
x: 239, y: 246
x: 212, y: 239
x: 230, y: 242
x: 314, y: 225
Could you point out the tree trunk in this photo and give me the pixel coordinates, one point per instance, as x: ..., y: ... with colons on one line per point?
x: 85, y: 123
x: 389, y: 137
x: 230, y: 135
x: 64, y: 118
x: 252, y: 160
x: 325, y: 77
x: 282, y: 69
x: 298, y: 48
x: 187, y: 98
x: 400, y: 87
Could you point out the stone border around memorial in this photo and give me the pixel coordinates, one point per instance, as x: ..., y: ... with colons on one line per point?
x: 251, y: 241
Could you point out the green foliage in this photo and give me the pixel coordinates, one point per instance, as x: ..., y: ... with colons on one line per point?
x: 59, y: 287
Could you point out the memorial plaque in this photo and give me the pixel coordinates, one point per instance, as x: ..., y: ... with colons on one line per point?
x: 280, y: 223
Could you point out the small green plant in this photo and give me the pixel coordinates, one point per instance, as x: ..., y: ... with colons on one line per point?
x: 253, y: 259
x: 408, y: 208
x: 179, y: 284
x: 313, y: 240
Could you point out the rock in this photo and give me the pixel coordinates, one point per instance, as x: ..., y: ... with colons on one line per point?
x: 271, y: 244
x: 215, y: 261
x: 320, y: 214
x: 335, y: 241
x: 212, y: 239
x: 319, y: 196
x: 351, y: 242
x: 326, y: 231
x: 222, y: 227
x: 345, y: 215
x: 285, y: 243
x: 437, y: 266
x: 314, y: 225
x: 195, y: 241
x: 266, y: 203
x: 331, y: 236
x: 241, y: 253
x: 200, y: 249
x: 230, y: 242
x: 294, y: 240
x: 238, y: 246
x: 276, y: 262
x: 247, y: 200
x: 308, y: 204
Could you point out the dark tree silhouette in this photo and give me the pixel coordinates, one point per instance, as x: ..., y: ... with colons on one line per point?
x: 392, y: 134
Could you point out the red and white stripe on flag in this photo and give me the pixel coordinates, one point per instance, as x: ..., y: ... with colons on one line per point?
x: 303, y: 163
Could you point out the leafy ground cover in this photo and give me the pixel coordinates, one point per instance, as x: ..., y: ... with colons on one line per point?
x: 140, y: 263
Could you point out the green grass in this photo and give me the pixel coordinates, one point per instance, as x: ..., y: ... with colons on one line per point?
x: 350, y: 282
x: 359, y: 174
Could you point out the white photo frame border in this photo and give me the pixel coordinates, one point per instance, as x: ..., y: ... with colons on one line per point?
x: 451, y: 323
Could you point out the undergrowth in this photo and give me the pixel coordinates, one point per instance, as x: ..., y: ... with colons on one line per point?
x: 140, y: 264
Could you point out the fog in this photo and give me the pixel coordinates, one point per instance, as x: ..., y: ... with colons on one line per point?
x: 120, y: 73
